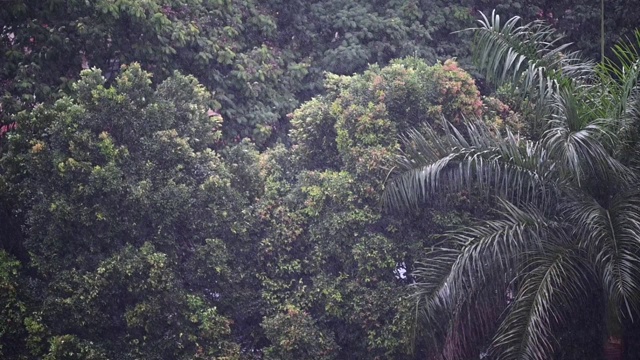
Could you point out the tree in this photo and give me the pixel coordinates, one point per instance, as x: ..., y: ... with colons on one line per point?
x: 330, y: 264
x: 127, y: 216
x: 13, y: 311
x: 295, y: 337
x: 582, y: 22
x: 567, y: 222
x: 258, y: 58
x: 228, y: 46
x: 344, y: 37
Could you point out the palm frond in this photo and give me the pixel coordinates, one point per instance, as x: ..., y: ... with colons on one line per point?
x: 529, y: 58
x: 579, y: 141
x: 485, y: 306
x: 569, y: 209
x: 526, y: 332
x: 619, y: 79
x: 611, y: 234
x: 475, y: 263
x: 506, y: 52
x: 432, y: 163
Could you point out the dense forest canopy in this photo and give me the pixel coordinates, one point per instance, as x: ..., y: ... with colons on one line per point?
x: 327, y: 179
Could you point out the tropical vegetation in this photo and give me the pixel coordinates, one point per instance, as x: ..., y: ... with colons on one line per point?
x: 326, y: 179
x: 566, y: 222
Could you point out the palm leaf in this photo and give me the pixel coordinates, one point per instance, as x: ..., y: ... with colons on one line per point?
x: 472, y: 266
x: 611, y: 235
x: 430, y: 163
x: 619, y: 77
x: 579, y: 141
x: 569, y: 209
x: 526, y: 332
x: 529, y: 58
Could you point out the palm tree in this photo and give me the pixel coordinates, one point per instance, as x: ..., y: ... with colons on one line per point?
x: 567, y: 223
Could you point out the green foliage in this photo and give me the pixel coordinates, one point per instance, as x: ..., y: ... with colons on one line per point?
x: 257, y: 58
x: 245, y: 176
x: 13, y: 310
x: 319, y: 256
x: 313, y: 134
x: 567, y: 217
x: 326, y: 251
x: 139, y: 223
x: 578, y: 21
x: 157, y: 316
x: 293, y: 335
x: 358, y: 121
x: 498, y: 114
x: 130, y: 199
x: 68, y: 347
x: 344, y: 37
x: 224, y: 44
x: 117, y: 162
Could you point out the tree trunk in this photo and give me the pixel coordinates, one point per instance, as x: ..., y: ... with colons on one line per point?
x: 614, y: 345
x: 613, y: 348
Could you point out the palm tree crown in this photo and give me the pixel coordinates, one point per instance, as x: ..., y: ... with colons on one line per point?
x: 568, y: 204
